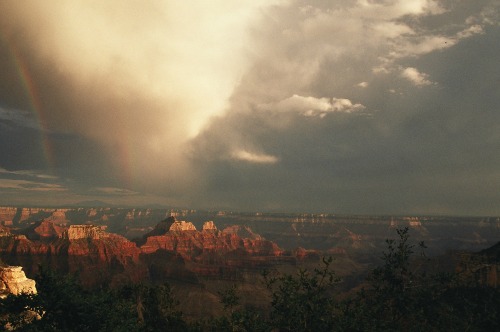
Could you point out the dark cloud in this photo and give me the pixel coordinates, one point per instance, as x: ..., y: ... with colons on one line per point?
x: 425, y: 143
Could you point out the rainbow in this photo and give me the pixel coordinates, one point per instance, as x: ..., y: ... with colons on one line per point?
x: 33, y: 97
x: 122, y: 150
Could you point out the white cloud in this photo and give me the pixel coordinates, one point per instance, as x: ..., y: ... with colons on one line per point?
x: 421, y: 45
x: 392, y: 29
x: 29, y: 185
x: 413, y: 46
x: 362, y: 84
x: 29, y: 173
x: 489, y: 15
x: 416, y: 77
x: 298, y: 103
x: 257, y: 158
x: 470, y: 31
x: 116, y: 191
x: 394, y: 9
x: 312, y: 106
x: 379, y: 32
x: 345, y: 105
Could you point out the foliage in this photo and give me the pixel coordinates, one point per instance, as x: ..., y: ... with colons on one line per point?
x: 63, y: 305
x: 303, y: 302
x: 235, y: 318
x: 403, y: 298
x: 157, y: 309
x: 14, y: 311
x: 229, y: 299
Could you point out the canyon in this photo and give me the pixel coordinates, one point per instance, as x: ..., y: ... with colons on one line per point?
x: 202, y: 252
x: 173, y: 250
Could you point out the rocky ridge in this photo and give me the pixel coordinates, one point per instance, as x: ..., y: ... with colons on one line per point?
x: 184, y: 239
x: 176, y: 247
x: 180, y: 226
x: 98, y: 257
x: 76, y: 232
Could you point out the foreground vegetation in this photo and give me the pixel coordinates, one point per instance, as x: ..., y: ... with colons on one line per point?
x: 398, y: 297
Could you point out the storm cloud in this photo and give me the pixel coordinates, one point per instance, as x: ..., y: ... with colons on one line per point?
x: 386, y: 106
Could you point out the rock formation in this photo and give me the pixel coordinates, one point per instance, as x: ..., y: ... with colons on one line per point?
x: 209, y: 226
x: 160, y: 229
x: 241, y: 231
x: 14, y: 281
x: 76, y: 232
x: 7, y: 215
x: 209, y: 253
x: 97, y: 256
x: 180, y: 226
x: 183, y: 238
x: 172, y: 249
x: 5, y: 231
x: 44, y: 230
x: 58, y: 217
x: 28, y: 214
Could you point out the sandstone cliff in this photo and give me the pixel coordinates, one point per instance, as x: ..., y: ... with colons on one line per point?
x: 160, y: 229
x: 44, y: 230
x: 187, y: 254
x: 190, y: 244
x: 76, y: 232
x: 179, y: 251
x: 97, y: 256
x: 209, y: 226
x: 173, y: 249
x: 7, y: 215
x: 14, y: 281
x: 180, y: 226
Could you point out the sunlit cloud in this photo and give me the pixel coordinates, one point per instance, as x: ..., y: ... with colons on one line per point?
x: 312, y: 106
x: 257, y: 158
x: 470, y: 31
x: 416, y: 77
x: 29, y: 173
x: 398, y: 8
x: 24, y: 185
x: 116, y: 191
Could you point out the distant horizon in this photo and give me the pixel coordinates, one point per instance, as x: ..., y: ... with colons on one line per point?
x: 232, y: 211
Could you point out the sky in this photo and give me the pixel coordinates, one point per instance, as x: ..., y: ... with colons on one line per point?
x: 340, y: 106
